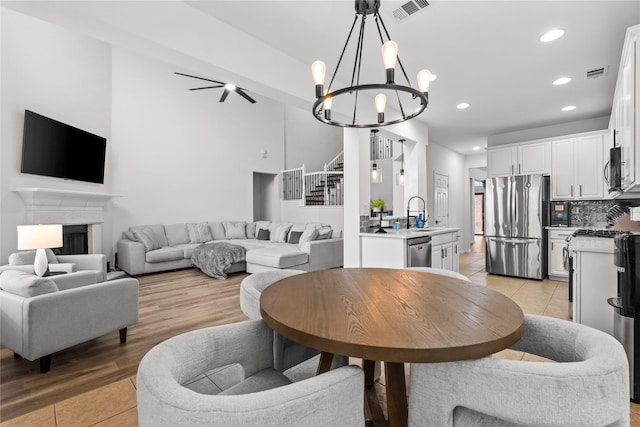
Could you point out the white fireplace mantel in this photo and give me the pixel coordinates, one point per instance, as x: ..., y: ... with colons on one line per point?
x: 69, y: 207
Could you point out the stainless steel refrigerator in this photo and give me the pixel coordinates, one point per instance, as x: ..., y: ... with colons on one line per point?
x: 516, y: 213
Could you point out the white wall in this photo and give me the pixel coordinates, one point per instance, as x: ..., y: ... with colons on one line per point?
x: 309, y: 141
x: 450, y: 163
x: 568, y: 128
x: 59, y: 74
x: 183, y: 156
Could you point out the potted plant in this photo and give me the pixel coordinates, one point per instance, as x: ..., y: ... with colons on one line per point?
x: 377, y: 205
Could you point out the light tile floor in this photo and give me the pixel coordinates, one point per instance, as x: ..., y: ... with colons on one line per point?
x: 115, y: 404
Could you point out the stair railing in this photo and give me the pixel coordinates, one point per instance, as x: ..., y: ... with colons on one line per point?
x: 324, y: 188
x: 293, y: 184
x: 336, y: 163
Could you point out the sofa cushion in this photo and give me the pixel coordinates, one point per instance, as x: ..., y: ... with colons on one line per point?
x: 199, y: 232
x: 235, y: 229
x: 176, y: 234
x: 263, y: 234
x: 26, y: 284
x: 278, y: 256
x: 279, y: 232
x: 165, y: 254
x: 308, y: 235
x: 187, y: 248
x: 217, y: 230
x: 29, y: 257
x: 151, y: 236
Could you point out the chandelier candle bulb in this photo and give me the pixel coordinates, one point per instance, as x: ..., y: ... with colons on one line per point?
x: 389, y: 57
x: 327, y: 105
x: 424, y: 80
x: 381, y: 102
x: 318, y: 69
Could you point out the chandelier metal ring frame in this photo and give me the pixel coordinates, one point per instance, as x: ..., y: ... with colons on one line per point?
x: 324, y: 98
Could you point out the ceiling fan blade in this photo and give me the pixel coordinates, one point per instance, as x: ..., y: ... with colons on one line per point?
x: 245, y: 96
x: 207, y: 87
x: 201, y: 78
x: 224, y: 95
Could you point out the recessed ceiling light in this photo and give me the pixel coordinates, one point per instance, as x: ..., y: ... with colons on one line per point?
x: 462, y: 106
x: 569, y: 108
x: 561, y: 81
x: 551, y: 35
x: 476, y: 148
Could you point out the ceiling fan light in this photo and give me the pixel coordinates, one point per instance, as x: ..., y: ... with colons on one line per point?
x: 551, y: 35
x: 230, y: 86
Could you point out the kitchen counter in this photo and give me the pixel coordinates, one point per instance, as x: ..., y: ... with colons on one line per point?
x: 391, y: 250
x: 403, y: 233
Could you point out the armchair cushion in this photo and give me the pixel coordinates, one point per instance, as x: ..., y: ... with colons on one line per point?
x: 24, y: 284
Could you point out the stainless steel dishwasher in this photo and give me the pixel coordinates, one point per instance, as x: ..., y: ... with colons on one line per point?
x: 419, y: 251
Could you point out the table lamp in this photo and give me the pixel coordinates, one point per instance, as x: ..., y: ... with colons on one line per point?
x: 40, y: 237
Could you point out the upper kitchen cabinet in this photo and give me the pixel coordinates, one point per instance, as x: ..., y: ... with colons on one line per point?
x: 625, y: 111
x: 577, y: 168
x: 520, y: 159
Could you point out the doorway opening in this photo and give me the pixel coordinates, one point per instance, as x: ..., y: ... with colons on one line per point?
x: 266, y: 206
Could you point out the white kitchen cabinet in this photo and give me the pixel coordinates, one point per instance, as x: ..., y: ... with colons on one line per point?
x: 443, y: 252
x: 595, y: 280
x: 520, y: 159
x: 557, y: 242
x: 625, y: 112
x: 577, y: 168
x: 455, y: 256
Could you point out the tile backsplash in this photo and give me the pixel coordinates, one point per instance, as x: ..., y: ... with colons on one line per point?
x: 598, y: 213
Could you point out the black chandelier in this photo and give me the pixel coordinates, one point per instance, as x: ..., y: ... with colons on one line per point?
x: 402, y: 93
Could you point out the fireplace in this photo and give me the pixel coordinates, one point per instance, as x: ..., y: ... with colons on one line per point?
x: 75, y: 240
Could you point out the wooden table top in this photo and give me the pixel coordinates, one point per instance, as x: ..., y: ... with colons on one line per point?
x: 392, y: 315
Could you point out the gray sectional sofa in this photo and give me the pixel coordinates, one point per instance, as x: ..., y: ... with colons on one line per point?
x: 269, y: 245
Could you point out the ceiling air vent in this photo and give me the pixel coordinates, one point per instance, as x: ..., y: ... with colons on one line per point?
x: 409, y: 8
x: 597, y: 72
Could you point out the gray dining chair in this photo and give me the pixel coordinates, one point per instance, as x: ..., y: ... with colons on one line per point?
x: 588, y: 386
x: 224, y: 376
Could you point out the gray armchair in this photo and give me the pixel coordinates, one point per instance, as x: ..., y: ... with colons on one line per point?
x: 588, y: 387
x: 96, y: 263
x: 42, y: 315
x: 243, y: 388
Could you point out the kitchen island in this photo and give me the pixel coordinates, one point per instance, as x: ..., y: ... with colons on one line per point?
x: 391, y: 249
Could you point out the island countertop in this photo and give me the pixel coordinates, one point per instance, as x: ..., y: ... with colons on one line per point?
x: 404, y: 233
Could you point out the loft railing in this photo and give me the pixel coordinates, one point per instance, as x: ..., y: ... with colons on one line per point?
x: 293, y: 184
x: 325, y: 188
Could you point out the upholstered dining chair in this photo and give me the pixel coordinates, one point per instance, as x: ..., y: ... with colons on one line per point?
x: 296, y: 360
x: 224, y: 376
x: 589, y: 386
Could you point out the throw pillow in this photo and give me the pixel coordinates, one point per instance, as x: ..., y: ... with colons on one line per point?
x: 294, y: 237
x: 235, y: 229
x: 296, y: 227
x: 263, y: 234
x: 199, y: 232
x: 148, y: 238
x: 25, y: 284
x: 128, y: 235
x: 308, y: 235
x: 157, y: 230
x: 251, y: 230
x: 279, y: 233
x: 324, y: 233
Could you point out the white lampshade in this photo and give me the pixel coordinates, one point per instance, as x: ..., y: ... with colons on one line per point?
x: 39, y: 236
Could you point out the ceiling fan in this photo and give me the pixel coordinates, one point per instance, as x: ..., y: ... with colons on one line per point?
x: 228, y: 87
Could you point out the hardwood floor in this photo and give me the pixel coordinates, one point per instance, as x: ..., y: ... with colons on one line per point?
x: 170, y: 303
x: 94, y: 383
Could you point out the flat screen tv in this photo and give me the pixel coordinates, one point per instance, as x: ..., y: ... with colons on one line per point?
x: 52, y: 148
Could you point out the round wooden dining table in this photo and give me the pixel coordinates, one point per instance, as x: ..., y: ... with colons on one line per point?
x: 393, y: 316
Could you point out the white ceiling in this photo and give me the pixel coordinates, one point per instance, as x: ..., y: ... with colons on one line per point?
x: 486, y: 53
